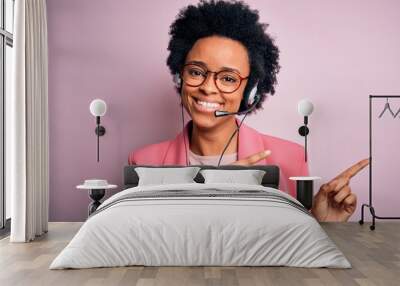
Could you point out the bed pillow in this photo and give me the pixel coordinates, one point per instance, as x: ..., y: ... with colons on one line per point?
x: 249, y: 177
x: 162, y: 176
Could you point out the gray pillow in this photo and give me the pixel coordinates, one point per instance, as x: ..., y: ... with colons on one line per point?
x: 162, y: 176
x: 249, y: 177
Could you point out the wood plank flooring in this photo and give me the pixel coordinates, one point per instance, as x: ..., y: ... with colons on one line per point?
x: 374, y: 255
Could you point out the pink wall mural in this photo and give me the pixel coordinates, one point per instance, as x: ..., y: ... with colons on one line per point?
x: 333, y: 53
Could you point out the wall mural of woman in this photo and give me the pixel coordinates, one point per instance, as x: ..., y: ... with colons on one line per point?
x: 219, y: 52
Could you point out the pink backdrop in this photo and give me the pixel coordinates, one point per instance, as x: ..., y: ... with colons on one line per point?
x: 335, y: 54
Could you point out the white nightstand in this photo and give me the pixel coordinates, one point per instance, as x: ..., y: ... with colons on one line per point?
x: 97, y: 190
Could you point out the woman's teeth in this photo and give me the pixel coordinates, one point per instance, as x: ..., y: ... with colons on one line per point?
x: 209, y: 105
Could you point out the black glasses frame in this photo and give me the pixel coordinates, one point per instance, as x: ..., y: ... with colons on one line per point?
x: 214, y: 77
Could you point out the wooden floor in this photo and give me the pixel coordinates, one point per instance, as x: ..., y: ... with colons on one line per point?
x: 375, y: 256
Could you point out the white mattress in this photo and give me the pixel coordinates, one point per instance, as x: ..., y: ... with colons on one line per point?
x: 190, y: 230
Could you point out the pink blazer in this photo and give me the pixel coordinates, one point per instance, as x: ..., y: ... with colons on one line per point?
x: 289, y: 156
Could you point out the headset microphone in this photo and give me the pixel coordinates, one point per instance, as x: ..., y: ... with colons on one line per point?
x: 220, y: 113
x: 254, y: 98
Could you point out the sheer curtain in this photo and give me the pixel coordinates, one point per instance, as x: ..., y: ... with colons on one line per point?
x: 27, y: 124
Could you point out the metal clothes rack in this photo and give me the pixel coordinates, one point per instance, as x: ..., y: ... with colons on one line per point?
x: 369, y: 205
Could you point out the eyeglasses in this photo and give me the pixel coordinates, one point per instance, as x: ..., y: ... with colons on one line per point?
x: 225, y: 80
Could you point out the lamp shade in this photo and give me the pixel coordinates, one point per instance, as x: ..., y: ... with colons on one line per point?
x: 305, y: 107
x: 98, y: 107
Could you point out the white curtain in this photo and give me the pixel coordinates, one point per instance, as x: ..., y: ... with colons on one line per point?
x: 27, y: 124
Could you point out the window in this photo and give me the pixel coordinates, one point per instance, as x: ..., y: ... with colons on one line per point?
x: 6, y: 63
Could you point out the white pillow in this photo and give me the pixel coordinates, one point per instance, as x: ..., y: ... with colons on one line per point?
x: 249, y: 177
x: 162, y: 176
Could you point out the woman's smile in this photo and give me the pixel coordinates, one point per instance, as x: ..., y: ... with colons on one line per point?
x: 208, y: 106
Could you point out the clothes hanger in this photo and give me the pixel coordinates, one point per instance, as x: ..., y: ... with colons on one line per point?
x: 387, y: 106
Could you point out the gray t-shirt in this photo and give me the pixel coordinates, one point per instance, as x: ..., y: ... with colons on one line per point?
x: 227, y: 159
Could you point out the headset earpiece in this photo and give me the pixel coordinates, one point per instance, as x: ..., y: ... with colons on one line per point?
x: 177, y: 80
x: 253, y: 96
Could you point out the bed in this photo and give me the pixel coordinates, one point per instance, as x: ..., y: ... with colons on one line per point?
x: 201, y: 223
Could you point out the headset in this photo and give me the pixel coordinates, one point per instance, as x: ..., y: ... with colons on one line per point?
x: 252, y: 100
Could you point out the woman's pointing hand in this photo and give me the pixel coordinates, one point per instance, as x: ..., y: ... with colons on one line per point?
x: 253, y: 159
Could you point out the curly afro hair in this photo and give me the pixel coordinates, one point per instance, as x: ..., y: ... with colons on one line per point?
x: 234, y: 20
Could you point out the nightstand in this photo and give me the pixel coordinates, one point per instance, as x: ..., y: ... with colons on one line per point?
x: 305, y: 190
x: 96, y: 190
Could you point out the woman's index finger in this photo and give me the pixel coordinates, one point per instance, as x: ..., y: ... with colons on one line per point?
x: 353, y: 170
x: 258, y: 156
x: 252, y: 159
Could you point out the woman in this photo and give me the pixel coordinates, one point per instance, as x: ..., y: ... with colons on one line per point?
x: 221, y: 57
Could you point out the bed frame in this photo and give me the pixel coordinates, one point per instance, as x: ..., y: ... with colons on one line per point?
x: 270, y: 179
